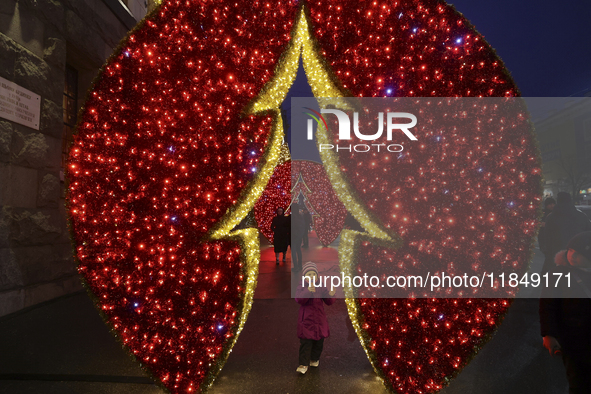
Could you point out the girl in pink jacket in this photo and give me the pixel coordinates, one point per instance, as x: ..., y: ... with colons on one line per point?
x: 312, y: 323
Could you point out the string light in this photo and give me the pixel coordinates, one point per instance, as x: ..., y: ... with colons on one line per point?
x: 168, y: 131
x: 310, y: 180
x: 307, y: 179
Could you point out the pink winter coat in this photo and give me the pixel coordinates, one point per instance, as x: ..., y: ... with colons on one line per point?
x: 312, y: 323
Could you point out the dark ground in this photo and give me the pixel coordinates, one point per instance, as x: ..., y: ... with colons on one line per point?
x: 63, y: 347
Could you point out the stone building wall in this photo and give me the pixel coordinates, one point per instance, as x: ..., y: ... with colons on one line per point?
x: 37, y: 39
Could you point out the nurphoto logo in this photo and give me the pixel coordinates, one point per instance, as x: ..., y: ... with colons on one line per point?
x: 345, y: 130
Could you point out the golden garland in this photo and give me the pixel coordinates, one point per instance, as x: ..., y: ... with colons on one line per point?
x: 324, y: 85
x: 284, y: 156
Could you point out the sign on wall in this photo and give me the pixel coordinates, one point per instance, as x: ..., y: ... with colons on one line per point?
x: 19, y: 104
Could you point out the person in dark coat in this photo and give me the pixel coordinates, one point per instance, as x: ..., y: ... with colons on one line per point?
x: 563, y: 223
x: 312, y: 323
x: 565, y: 312
x: 297, y: 234
x: 280, y: 228
x: 307, y: 221
x: 549, y: 204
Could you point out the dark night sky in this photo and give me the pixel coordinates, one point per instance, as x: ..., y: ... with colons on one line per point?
x: 545, y: 45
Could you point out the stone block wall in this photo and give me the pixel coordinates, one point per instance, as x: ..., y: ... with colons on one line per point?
x: 37, y: 39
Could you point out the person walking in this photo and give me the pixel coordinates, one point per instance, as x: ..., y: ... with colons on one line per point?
x: 563, y: 223
x: 565, y: 312
x: 280, y: 228
x: 307, y: 221
x: 297, y: 234
x: 312, y: 324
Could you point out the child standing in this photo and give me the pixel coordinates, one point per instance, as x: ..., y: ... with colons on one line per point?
x: 312, y: 323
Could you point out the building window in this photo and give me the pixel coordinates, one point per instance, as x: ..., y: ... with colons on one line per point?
x: 70, y: 105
